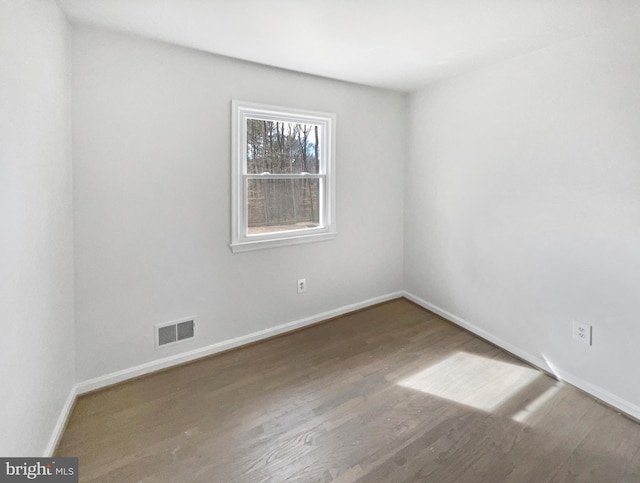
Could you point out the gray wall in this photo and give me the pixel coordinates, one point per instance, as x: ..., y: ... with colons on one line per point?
x: 522, y: 206
x: 36, y: 232
x: 152, y: 200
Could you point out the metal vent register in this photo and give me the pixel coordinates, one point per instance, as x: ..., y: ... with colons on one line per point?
x: 173, y: 332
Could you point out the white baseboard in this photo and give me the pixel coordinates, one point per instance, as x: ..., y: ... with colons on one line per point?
x: 540, y: 363
x: 61, y: 422
x: 152, y: 366
x: 603, y: 395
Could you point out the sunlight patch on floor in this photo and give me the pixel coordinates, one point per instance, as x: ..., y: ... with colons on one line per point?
x: 534, y: 406
x: 472, y: 380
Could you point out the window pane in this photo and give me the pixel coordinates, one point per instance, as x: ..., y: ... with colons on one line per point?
x: 282, y: 204
x: 280, y: 147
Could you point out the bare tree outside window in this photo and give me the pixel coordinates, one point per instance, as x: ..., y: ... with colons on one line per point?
x: 275, y: 148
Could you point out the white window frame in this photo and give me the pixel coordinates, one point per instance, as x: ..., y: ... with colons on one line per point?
x: 240, y: 239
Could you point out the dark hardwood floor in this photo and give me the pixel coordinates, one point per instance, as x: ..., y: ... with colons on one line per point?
x: 392, y: 393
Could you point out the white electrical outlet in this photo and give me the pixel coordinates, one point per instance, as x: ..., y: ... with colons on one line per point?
x: 302, y: 285
x: 582, y: 332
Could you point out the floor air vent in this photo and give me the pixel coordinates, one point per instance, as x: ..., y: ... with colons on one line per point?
x: 174, y: 332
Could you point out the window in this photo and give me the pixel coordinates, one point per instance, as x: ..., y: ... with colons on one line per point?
x: 282, y: 186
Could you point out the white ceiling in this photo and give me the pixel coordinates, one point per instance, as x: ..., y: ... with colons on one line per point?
x: 396, y: 44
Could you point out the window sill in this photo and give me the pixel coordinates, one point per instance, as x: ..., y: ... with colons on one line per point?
x: 239, y: 247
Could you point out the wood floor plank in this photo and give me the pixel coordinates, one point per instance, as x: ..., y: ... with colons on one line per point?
x: 392, y: 393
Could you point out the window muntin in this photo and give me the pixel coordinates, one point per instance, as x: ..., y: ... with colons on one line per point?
x: 282, y: 176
